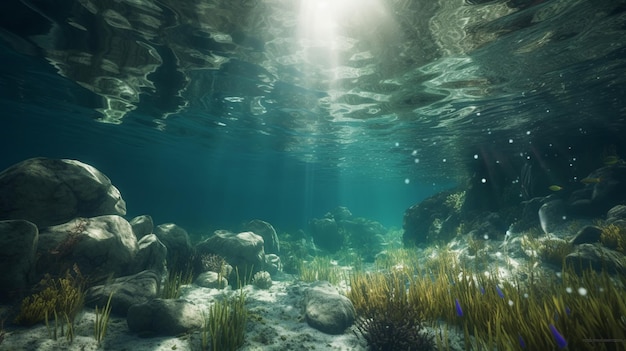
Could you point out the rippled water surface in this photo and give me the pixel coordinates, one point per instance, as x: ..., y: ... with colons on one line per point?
x: 229, y: 105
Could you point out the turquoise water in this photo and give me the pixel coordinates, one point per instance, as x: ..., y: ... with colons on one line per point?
x: 209, y: 113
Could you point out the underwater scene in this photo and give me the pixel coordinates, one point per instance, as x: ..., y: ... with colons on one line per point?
x: 385, y: 175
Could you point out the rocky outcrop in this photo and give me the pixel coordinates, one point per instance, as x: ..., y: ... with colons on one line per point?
x: 99, y: 246
x: 18, y: 242
x: 142, y: 226
x: 151, y: 254
x: 327, y: 310
x: 267, y: 232
x: 243, y: 250
x: 178, y: 244
x: 325, y: 233
x: 596, y: 257
x: 125, y: 292
x: 53, y: 191
x: 164, y: 317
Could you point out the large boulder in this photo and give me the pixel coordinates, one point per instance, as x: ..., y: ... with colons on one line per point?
x: 151, y: 254
x: 242, y: 250
x: 99, y: 246
x: 125, y: 292
x: 142, y: 226
x: 267, y: 232
x: 164, y: 317
x: 178, y: 243
x: 596, y: 257
x: 325, y: 233
x: 18, y: 242
x: 53, y: 191
x: 327, y: 310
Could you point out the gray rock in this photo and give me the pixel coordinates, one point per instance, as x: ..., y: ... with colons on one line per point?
x: 273, y: 264
x: 325, y: 233
x: 552, y: 215
x: 267, y: 232
x: 177, y: 241
x: 152, y: 255
x: 587, y: 235
x: 211, y: 280
x: 597, y: 258
x: 164, y: 317
x: 142, y: 226
x: 99, y: 246
x: 327, y: 310
x: 18, y: 242
x: 243, y: 250
x: 53, y: 191
x: 127, y: 291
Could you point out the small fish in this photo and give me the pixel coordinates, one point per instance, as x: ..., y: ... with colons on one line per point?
x: 560, y: 340
x: 500, y: 293
x: 459, y: 310
x: 590, y: 180
x: 555, y: 187
x: 521, y: 341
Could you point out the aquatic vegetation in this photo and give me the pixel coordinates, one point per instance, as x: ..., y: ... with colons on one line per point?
x: 320, y: 268
x: 62, y: 296
x: 455, y: 201
x: 387, y: 318
x: 174, y: 282
x: 554, y: 250
x: 503, y: 315
x: 102, y: 320
x: 209, y: 262
x: 613, y: 237
x: 226, y: 324
x: 262, y: 280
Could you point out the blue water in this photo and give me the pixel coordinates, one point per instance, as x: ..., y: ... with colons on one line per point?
x: 212, y: 113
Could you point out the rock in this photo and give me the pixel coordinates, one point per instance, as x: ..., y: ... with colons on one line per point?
x: 18, y: 242
x: 589, y: 234
x: 597, y: 258
x: 552, y: 215
x: 164, y: 317
x: 325, y: 233
x: 142, y: 226
x: 273, y: 264
x: 262, y: 280
x: 244, y: 250
x: 127, y: 291
x: 178, y: 244
x: 340, y: 213
x: 267, y: 232
x: 53, y: 191
x: 327, y: 310
x: 99, y: 246
x: 211, y: 280
x: 365, y: 236
x: 152, y: 255
x: 616, y: 214
x: 424, y: 222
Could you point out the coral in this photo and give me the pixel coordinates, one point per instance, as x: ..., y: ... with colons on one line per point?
x: 209, y: 262
x: 262, y: 280
x: 455, y: 201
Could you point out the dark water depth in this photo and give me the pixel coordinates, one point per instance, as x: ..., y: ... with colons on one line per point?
x: 208, y: 113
